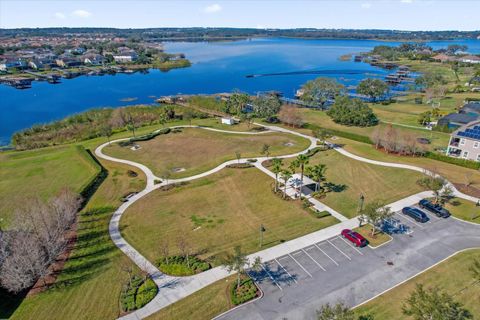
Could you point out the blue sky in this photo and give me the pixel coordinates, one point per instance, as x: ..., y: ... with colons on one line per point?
x: 359, y: 14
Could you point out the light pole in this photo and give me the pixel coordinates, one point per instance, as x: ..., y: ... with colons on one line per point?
x: 262, y: 230
x: 361, y: 202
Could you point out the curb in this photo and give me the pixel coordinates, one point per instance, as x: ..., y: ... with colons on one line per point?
x: 243, y: 304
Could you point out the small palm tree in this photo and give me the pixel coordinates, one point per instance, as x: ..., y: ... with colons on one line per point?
x: 236, y: 262
x: 276, y: 168
x: 317, y: 173
x: 286, y: 175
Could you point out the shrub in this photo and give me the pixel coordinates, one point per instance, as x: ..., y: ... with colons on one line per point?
x: 177, y: 265
x: 245, y: 292
x: 352, y: 112
x: 138, y: 294
x: 146, y: 292
x: 342, y: 134
x: 459, y: 162
x: 319, y: 214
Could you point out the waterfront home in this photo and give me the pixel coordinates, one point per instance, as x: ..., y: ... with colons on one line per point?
x: 472, y: 107
x: 125, y: 56
x: 13, y: 64
x: 470, y: 59
x: 465, y: 142
x: 93, y: 59
x: 455, y: 120
x: 443, y: 58
x: 68, y: 62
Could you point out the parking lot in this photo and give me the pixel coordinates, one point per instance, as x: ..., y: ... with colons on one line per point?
x: 297, y: 284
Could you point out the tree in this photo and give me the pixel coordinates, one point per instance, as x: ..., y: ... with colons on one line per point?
x: 188, y: 115
x: 238, y: 155
x: 445, y: 194
x: 236, y: 262
x: 320, y: 90
x: 184, y: 248
x: 424, y: 118
x: 276, y: 168
x: 337, y: 312
x: 433, y: 304
x: 352, y: 112
x: 286, y: 175
x: 317, y: 173
x: 166, y: 174
x: 236, y: 103
x: 376, y: 213
x: 266, y: 106
x: 165, y: 249
x: 300, y: 162
x: 107, y: 131
x: 373, y: 88
x: 321, y: 134
x: 432, y: 182
x: 430, y: 79
x: 289, y: 115
x: 265, y: 150
x: 163, y: 117
x: 131, y: 125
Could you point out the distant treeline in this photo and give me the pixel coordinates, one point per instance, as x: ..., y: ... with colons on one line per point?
x: 235, y: 33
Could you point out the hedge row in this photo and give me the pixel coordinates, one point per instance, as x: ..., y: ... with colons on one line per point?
x: 456, y: 161
x: 146, y: 137
x: 177, y: 266
x: 342, y: 134
x: 138, y: 294
x: 89, y: 189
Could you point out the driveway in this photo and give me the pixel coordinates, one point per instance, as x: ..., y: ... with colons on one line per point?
x: 299, y: 283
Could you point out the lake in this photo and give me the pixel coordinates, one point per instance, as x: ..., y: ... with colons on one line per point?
x: 217, y: 67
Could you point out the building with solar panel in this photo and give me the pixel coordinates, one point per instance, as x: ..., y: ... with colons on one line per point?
x: 465, y: 142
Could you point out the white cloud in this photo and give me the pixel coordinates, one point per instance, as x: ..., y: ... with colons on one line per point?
x: 60, y: 15
x: 212, y: 8
x: 81, y: 13
x: 366, y: 5
x: 406, y: 1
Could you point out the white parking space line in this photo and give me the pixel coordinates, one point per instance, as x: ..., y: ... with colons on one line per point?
x: 352, y: 246
x: 339, y: 250
x: 410, y: 220
x: 310, y: 248
x: 326, y: 254
x: 306, y: 271
x: 318, y: 264
x: 264, y: 269
x: 296, y: 253
x: 284, y: 257
x: 286, y: 271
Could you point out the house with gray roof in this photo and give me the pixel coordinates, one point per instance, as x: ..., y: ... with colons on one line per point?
x: 465, y: 142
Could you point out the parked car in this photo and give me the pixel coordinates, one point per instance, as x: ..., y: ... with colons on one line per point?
x: 416, y: 214
x: 436, y: 209
x: 354, y: 237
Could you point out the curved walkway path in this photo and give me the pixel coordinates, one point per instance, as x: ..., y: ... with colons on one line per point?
x: 172, y: 289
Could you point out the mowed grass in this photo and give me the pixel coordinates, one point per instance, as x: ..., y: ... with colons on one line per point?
x: 198, y: 150
x: 205, y: 304
x: 41, y: 173
x: 320, y: 118
x: 453, y: 276
x: 453, y: 173
x: 90, y: 285
x: 464, y: 209
x: 353, y: 178
x: 215, y: 214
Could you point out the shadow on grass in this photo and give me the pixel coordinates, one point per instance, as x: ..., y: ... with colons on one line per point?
x: 9, y: 302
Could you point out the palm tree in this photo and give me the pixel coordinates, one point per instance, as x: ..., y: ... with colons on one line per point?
x: 317, y: 173
x: 301, y: 161
x: 286, y: 175
x: 276, y: 168
x: 236, y: 262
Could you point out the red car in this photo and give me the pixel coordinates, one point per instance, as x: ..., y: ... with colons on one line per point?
x: 354, y: 237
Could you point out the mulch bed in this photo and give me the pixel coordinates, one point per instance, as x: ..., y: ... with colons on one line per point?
x: 472, y: 191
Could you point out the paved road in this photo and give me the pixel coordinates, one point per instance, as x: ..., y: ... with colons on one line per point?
x: 297, y: 284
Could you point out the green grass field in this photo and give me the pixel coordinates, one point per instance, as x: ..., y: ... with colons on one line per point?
x: 89, y: 286
x: 198, y: 150
x: 215, y: 214
x: 453, y: 276
x: 374, y: 182
x: 41, y: 173
x: 453, y: 173
x: 464, y: 209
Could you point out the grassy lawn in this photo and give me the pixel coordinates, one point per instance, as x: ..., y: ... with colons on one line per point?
x: 90, y: 285
x: 453, y: 173
x: 375, y: 241
x: 205, y: 303
x: 464, y: 209
x: 198, y: 150
x: 215, y: 214
x: 320, y: 118
x: 452, y: 275
x: 356, y: 177
x: 41, y: 173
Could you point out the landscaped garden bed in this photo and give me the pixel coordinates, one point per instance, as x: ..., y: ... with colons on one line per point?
x: 246, y: 291
x: 378, y: 239
x: 181, y: 266
x: 137, y: 293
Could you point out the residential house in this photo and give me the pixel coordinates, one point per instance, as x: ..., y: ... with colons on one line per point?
x: 472, y: 107
x: 125, y: 56
x: 470, y: 59
x: 13, y: 64
x: 456, y: 120
x: 465, y: 142
x: 68, y: 62
x: 93, y: 59
x: 443, y: 58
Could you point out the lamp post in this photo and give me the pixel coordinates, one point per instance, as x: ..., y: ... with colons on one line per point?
x: 262, y: 230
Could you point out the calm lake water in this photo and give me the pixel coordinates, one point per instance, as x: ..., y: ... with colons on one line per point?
x: 217, y: 67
